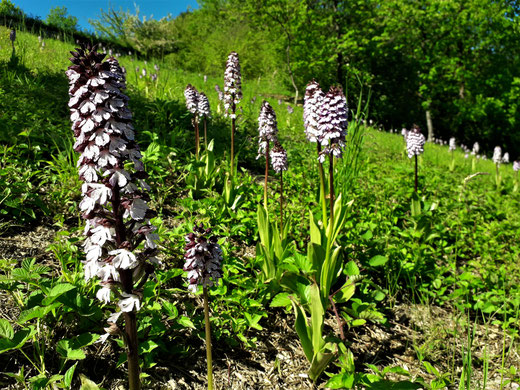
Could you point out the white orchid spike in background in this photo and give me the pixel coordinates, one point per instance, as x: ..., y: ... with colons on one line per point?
x: 311, y: 104
x: 267, y: 128
x: 415, y: 142
x: 120, y: 246
x: 232, y: 84
x: 497, y: 155
x: 332, y: 124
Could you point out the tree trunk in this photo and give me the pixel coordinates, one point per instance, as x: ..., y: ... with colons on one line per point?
x: 429, y: 124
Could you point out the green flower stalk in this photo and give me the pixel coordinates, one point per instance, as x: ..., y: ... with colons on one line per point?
x: 204, y: 265
x: 516, y: 169
x: 120, y: 246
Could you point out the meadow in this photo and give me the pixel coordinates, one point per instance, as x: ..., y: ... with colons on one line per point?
x: 423, y: 290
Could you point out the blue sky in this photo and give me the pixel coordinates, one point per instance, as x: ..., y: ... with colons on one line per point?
x: 89, y: 9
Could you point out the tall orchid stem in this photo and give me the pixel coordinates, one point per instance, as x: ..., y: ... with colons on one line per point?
x: 322, y: 188
x: 266, y: 174
x: 205, y: 134
x: 331, y: 185
x: 128, y: 284
x: 416, y: 180
x: 233, y: 125
x: 197, y: 137
x: 281, y: 205
x: 208, y: 338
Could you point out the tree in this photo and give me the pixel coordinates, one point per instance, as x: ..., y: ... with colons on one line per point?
x: 58, y: 17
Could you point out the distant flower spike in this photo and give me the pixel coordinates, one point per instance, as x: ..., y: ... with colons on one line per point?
x: 505, y: 158
x: 516, y: 166
x: 415, y: 142
x: 278, y: 158
x: 497, y: 155
x: 453, y: 144
x: 192, y: 98
x: 267, y: 128
x: 232, y: 84
x: 203, y: 106
x: 476, y: 148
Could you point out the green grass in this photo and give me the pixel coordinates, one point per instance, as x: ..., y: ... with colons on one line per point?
x: 458, y: 250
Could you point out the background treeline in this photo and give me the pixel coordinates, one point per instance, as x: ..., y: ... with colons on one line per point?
x: 451, y: 66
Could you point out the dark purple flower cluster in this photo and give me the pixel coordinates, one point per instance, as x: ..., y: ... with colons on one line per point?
x: 203, y: 107
x: 203, y: 258
x: 120, y: 237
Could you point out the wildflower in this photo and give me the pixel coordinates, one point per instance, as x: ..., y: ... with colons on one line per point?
x: 505, y: 158
x: 232, y: 84
x: 290, y: 110
x: 516, y: 165
x: 404, y: 133
x: 114, y: 194
x: 311, y: 104
x: 278, y: 158
x: 497, y: 155
x: 154, y: 77
x: 192, y: 98
x: 156, y: 67
x: 12, y: 35
x: 219, y: 91
x: 453, y: 144
x: 475, y: 149
x: 144, y: 72
x: 415, y: 142
x: 203, y: 106
x: 203, y: 258
x: 267, y: 128
x: 332, y: 124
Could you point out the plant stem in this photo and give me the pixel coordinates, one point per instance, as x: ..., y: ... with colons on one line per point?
x: 322, y: 189
x: 415, y: 187
x: 338, y: 319
x: 197, y: 138
x: 128, y: 284
x: 331, y: 186
x: 233, y: 109
x: 208, y: 338
x: 205, y: 134
x: 281, y: 205
x: 266, y: 174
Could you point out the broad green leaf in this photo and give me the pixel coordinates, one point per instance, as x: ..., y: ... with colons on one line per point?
x: 56, y: 291
x: 87, y: 384
x: 186, y: 322
x: 346, y: 292
x: 352, y: 268
x: 303, y: 330
x: 6, y: 330
x: 18, y: 340
x: 69, y: 375
x: 281, y: 300
x: 317, y: 313
x: 36, y: 312
x: 341, y: 381
x: 378, y: 260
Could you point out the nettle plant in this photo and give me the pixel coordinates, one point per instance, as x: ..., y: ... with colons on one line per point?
x: 120, y: 247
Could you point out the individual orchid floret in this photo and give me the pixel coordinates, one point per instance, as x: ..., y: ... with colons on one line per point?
x: 232, y: 84
x: 267, y: 128
x: 192, y: 98
x: 311, y: 106
x: 120, y: 243
x: 505, y: 158
x: 332, y: 124
x: 452, y: 145
x: 203, y: 258
x: 203, y: 106
x: 476, y: 148
x: 497, y: 155
x: 278, y: 158
x: 415, y: 142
